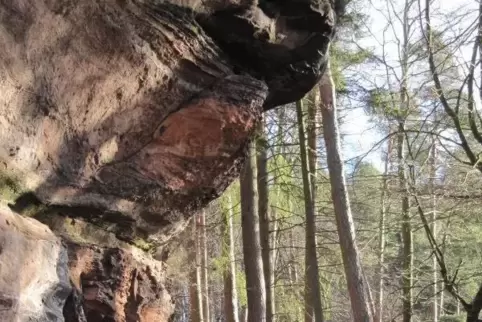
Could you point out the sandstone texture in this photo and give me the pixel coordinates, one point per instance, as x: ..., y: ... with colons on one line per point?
x: 119, y: 119
x: 112, y: 284
x: 47, y: 279
x: 34, y: 275
x: 134, y: 114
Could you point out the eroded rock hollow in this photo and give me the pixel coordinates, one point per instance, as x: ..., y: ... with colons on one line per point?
x: 129, y: 116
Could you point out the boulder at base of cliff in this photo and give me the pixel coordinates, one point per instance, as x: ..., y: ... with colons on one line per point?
x: 34, y: 279
x: 114, y: 284
x: 45, y: 279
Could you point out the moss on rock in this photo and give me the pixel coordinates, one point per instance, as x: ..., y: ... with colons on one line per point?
x: 10, y: 188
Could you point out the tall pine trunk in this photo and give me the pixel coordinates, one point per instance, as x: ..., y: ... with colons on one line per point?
x: 264, y: 226
x: 255, y: 283
x: 313, y: 307
x: 357, y: 287
x: 279, y: 150
x: 230, y: 294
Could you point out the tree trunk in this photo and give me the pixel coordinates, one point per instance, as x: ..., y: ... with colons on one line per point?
x: 381, y: 233
x: 204, y: 264
x: 312, y: 135
x: 474, y: 308
x: 253, y: 263
x: 230, y: 293
x: 264, y: 229
x: 346, y: 230
x: 195, y: 292
x: 313, y: 305
x: 435, y: 281
x: 407, y: 273
x: 273, y: 258
x: 244, y: 314
x: 294, y: 276
x: 407, y: 270
x: 442, y: 298
x: 274, y: 211
x: 371, y: 303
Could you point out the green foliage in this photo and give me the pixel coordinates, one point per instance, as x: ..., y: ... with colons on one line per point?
x: 282, y: 196
x: 382, y: 103
x: 452, y: 318
x: 143, y: 244
x: 241, y: 288
x: 219, y: 265
x: 10, y: 187
x: 341, y: 58
x: 231, y: 198
x: 291, y: 305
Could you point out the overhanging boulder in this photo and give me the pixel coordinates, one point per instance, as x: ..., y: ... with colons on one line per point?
x: 134, y: 114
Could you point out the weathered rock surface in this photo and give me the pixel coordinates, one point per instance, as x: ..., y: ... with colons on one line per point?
x: 112, y: 284
x: 46, y: 280
x: 136, y: 113
x: 34, y: 278
x: 122, y: 107
x: 129, y: 116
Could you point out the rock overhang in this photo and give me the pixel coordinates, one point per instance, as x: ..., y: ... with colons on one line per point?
x: 136, y: 137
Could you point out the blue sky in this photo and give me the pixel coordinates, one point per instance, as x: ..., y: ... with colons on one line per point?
x: 360, y: 135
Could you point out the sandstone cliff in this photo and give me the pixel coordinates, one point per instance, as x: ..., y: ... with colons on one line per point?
x: 119, y: 119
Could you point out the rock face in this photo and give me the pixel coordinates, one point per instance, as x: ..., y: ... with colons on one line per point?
x: 131, y: 115
x: 136, y: 113
x: 46, y: 280
x: 34, y: 280
x: 111, y: 284
x: 136, y: 116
